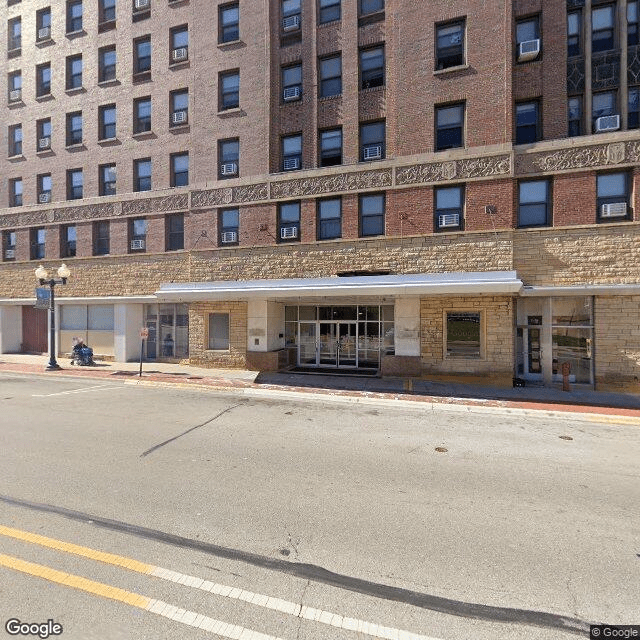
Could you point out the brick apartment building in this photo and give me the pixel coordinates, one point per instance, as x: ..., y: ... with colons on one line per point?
x: 417, y: 188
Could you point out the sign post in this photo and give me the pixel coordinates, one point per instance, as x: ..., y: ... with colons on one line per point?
x: 43, y: 298
x: 144, y: 334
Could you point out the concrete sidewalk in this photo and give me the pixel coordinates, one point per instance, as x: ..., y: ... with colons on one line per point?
x: 414, y: 389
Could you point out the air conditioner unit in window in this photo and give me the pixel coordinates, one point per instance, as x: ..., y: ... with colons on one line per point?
x: 373, y: 152
x: 43, y: 198
x: 44, y: 33
x: 137, y: 244
x: 15, y: 95
x: 229, y: 169
x: 528, y: 50
x: 449, y: 220
x: 614, y: 210
x: 288, y: 232
x: 9, y: 254
x: 607, y: 123
x: 141, y: 4
x: 291, y: 163
x: 291, y: 93
x: 181, y: 53
x: 44, y: 143
x: 179, y: 117
x: 291, y: 23
x: 227, y: 237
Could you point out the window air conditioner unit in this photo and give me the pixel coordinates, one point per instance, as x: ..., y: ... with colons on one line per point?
x: 44, y: 33
x: 291, y: 93
x: 179, y: 117
x: 229, y: 236
x: 614, y: 210
x: 9, y: 254
x: 137, y: 244
x: 288, y: 232
x: 229, y: 169
x: 291, y: 163
x: 44, y: 143
x: 607, y: 123
x: 291, y: 23
x: 181, y: 53
x: 373, y: 152
x: 528, y: 50
x: 449, y: 220
x: 141, y: 4
x: 15, y: 94
x: 43, y: 198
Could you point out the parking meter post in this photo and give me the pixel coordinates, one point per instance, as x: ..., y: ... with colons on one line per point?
x: 566, y: 370
x: 141, y: 352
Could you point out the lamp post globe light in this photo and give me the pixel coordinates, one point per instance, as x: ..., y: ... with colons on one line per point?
x: 43, y: 277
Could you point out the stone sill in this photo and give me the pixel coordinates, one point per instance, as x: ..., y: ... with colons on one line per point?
x: 179, y: 128
x: 76, y: 146
x: 44, y: 98
x: 75, y: 90
x: 45, y: 152
x: 15, y: 103
x: 142, y: 135
x: 232, y: 44
x: 109, y: 142
x: 460, y: 67
x: 17, y: 158
x: 231, y: 113
x: 182, y: 64
x: 109, y: 83
x: 44, y: 43
x: 75, y: 34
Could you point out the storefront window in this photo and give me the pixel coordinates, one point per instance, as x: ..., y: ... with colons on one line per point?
x: 463, y: 334
x: 168, y: 326
x: 573, y: 337
x: 219, y: 331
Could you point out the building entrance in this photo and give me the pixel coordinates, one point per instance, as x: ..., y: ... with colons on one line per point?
x: 168, y: 326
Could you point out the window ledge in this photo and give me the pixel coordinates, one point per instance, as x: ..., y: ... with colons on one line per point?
x: 15, y: 103
x: 109, y: 83
x: 180, y: 128
x: 75, y: 90
x: 45, y: 152
x: 14, y: 53
x: 75, y: 34
x: 330, y: 23
x: 44, y: 98
x: 142, y: 135
x: 231, y: 113
x: 78, y: 146
x: 141, y: 76
x: 442, y: 72
x: 45, y: 43
x: 177, y: 3
x: 379, y: 88
x: 17, y: 158
x: 232, y: 44
x: 106, y: 25
x: 328, y: 98
x: 181, y: 64
x: 109, y: 142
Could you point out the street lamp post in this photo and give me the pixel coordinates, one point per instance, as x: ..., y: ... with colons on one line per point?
x: 43, y: 276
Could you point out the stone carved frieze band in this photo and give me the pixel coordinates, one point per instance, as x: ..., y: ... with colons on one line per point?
x: 331, y: 184
x: 151, y: 205
x: 211, y: 198
x: 62, y: 214
x: 455, y: 169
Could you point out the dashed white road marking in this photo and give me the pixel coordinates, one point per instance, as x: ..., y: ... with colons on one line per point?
x: 81, y: 390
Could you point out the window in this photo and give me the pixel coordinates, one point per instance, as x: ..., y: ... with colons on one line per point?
x: 179, y: 107
x: 370, y: 6
x: 372, y: 140
x: 8, y: 245
x: 229, y: 23
x: 74, y: 72
x: 450, y: 45
x: 330, y: 147
x: 142, y: 55
x: 75, y: 184
x: 43, y: 24
x: 449, y: 127
x: 632, y: 23
x: 575, y: 116
x: 14, y: 34
x: 37, y: 240
x: 292, y: 152
x: 292, y: 83
x: 527, y: 122
x: 574, y: 24
x: 634, y: 107
x: 228, y: 158
x: 68, y: 236
x: 142, y: 115
x: 108, y: 180
x: 463, y: 334
x: 15, y: 86
x: 15, y: 140
x: 43, y: 80
x: 142, y: 174
x: 228, y: 225
x: 372, y: 68
x: 101, y: 238
x: 534, y: 203
x: 229, y: 90
x: 613, y: 196
x: 290, y: 15
x: 179, y: 169
x: 15, y: 192
x: 602, y: 30
x: 74, y: 16
x: 449, y: 208
x: 218, y: 331
x: 328, y: 11
x: 330, y: 76
x: 107, y: 11
x: 179, y: 44
x: 372, y: 214
x: 107, y: 122
x: 175, y: 232
x: 43, y: 134
x: 329, y: 218
x: 138, y: 234
x: 106, y: 64
x: 527, y: 30
x: 602, y: 105
x: 288, y: 221
x: 74, y: 128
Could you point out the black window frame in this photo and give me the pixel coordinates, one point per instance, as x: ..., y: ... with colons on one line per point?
x: 44, y: 130
x: 372, y: 76
x: 612, y: 111
x: 574, y: 124
x: 624, y: 196
x: 142, y: 182
x: 176, y: 34
x: 574, y: 40
x: 227, y: 157
x: 68, y: 246
x: 324, y: 225
x: 289, y: 93
x: 44, y: 184
x: 107, y: 12
x: 284, y: 223
x: 547, y: 202
x: 442, y: 132
x: 101, y: 238
x: 291, y: 156
x: 43, y: 85
x: 175, y: 231
x: 141, y: 63
x: 43, y: 21
x: 72, y: 137
x: 443, y: 211
x: 362, y: 214
x: 326, y: 154
x: 15, y: 140
x: 599, y: 44
x: 521, y: 22
x: 325, y: 82
x: 74, y: 22
x: 228, y: 98
x: 8, y: 244
x: 107, y: 129
x: 37, y: 243
x: 525, y: 131
x: 632, y: 24
x: 16, y: 199
x: 177, y: 178
x: 107, y: 72
x: 372, y: 135
x: 138, y: 119
x: 633, y: 118
x: 225, y: 227
x: 177, y: 100
x: 370, y: 7
x: 454, y: 55
x: 72, y: 193
x: 228, y: 32
x: 14, y: 36
x: 73, y: 79
x: 135, y: 235
x: 107, y: 187
x: 327, y: 11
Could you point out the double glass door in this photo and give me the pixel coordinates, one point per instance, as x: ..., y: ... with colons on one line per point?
x: 328, y: 344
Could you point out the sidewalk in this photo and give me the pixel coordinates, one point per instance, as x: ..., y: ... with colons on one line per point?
x: 415, y: 389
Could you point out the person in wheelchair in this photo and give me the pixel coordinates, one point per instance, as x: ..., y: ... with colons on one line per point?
x: 82, y: 354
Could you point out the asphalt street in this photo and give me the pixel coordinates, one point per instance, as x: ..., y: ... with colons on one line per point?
x: 308, y: 518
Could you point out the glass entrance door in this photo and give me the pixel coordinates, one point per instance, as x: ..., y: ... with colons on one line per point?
x: 308, y: 345
x: 328, y: 344
x: 347, y: 355
x: 168, y: 326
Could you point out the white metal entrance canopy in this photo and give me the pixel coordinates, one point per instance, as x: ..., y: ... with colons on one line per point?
x: 432, y: 284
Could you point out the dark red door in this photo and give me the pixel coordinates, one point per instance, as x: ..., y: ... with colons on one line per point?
x: 34, y: 330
